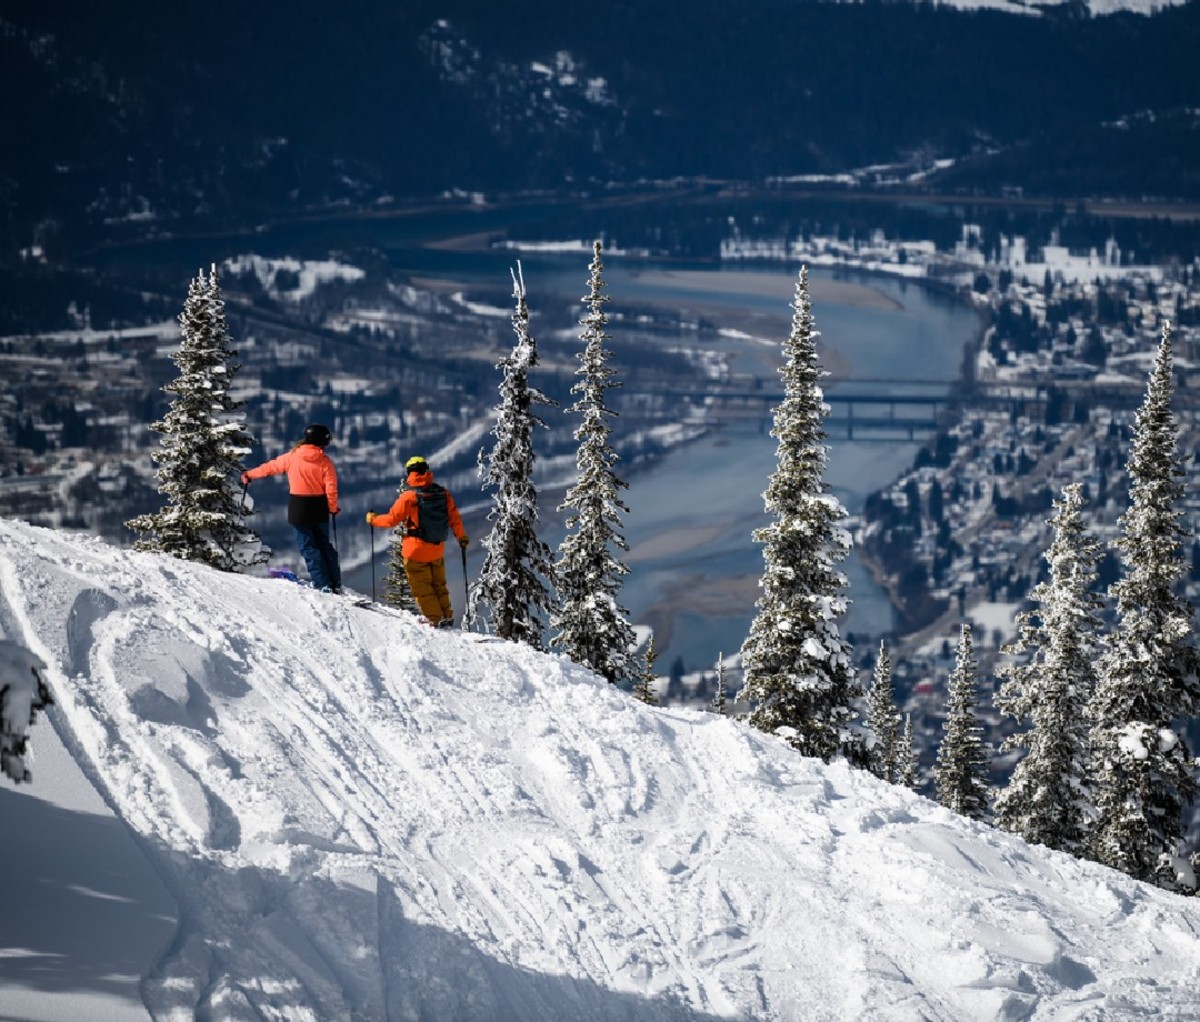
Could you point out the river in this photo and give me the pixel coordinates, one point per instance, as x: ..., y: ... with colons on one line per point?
x: 693, y: 566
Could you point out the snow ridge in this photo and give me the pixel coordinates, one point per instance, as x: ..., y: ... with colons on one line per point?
x: 361, y: 817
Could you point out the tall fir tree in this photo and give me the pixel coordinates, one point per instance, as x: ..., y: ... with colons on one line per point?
x: 203, y: 444
x: 882, y: 717
x: 643, y: 687
x: 799, y: 675
x: 1142, y: 768
x: 592, y: 628
x: 906, y: 757
x: 512, y: 595
x: 719, y: 697
x: 960, y: 772
x: 1048, y: 800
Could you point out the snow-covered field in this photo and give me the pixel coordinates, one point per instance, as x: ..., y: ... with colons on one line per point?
x: 353, y: 816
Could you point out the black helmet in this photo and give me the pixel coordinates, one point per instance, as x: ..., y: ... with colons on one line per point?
x: 318, y: 434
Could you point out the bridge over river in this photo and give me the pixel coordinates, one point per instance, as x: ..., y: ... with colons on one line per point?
x: 890, y: 410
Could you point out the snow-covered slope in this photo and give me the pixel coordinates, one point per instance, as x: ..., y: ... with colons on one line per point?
x: 1096, y: 8
x: 363, y: 818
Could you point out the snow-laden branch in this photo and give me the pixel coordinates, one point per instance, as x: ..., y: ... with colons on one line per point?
x: 23, y: 691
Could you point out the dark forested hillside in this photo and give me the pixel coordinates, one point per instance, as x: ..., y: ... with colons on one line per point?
x: 122, y: 115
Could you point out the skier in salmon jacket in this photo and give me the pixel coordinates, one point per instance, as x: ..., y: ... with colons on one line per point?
x: 427, y: 514
x: 312, y: 498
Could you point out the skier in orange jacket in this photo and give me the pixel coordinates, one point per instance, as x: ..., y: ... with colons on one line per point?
x: 313, y: 497
x: 423, y: 547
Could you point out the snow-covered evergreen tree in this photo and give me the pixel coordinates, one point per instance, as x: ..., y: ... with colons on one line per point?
x: 396, y: 590
x: 643, y: 688
x: 1047, y: 800
x: 203, y: 443
x: 906, y: 757
x: 23, y: 692
x: 591, y: 626
x: 1143, y: 772
x: 799, y: 675
x: 960, y: 772
x: 719, y: 697
x: 882, y: 717
x: 513, y: 590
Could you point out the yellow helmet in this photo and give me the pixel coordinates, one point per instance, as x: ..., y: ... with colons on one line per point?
x: 418, y: 463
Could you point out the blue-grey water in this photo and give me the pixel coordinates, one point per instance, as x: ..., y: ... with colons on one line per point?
x: 693, y: 565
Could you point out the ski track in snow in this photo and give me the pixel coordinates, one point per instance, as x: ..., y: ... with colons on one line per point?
x: 363, y: 818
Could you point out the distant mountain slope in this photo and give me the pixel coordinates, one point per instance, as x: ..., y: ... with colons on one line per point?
x: 1078, y: 8
x: 360, y: 817
x: 135, y: 118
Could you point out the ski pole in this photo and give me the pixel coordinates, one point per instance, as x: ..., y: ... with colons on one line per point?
x: 466, y: 591
x: 242, y: 509
x: 371, y: 529
x: 333, y: 518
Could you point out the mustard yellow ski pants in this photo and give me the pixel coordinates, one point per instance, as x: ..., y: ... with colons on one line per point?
x: 427, y: 580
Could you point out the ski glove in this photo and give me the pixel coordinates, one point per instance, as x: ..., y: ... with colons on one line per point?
x: 464, y: 541
x: 371, y: 517
x: 245, y: 478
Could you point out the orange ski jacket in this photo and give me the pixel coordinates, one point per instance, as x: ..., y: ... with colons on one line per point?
x: 312, y: 483
x: 404, y: 512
